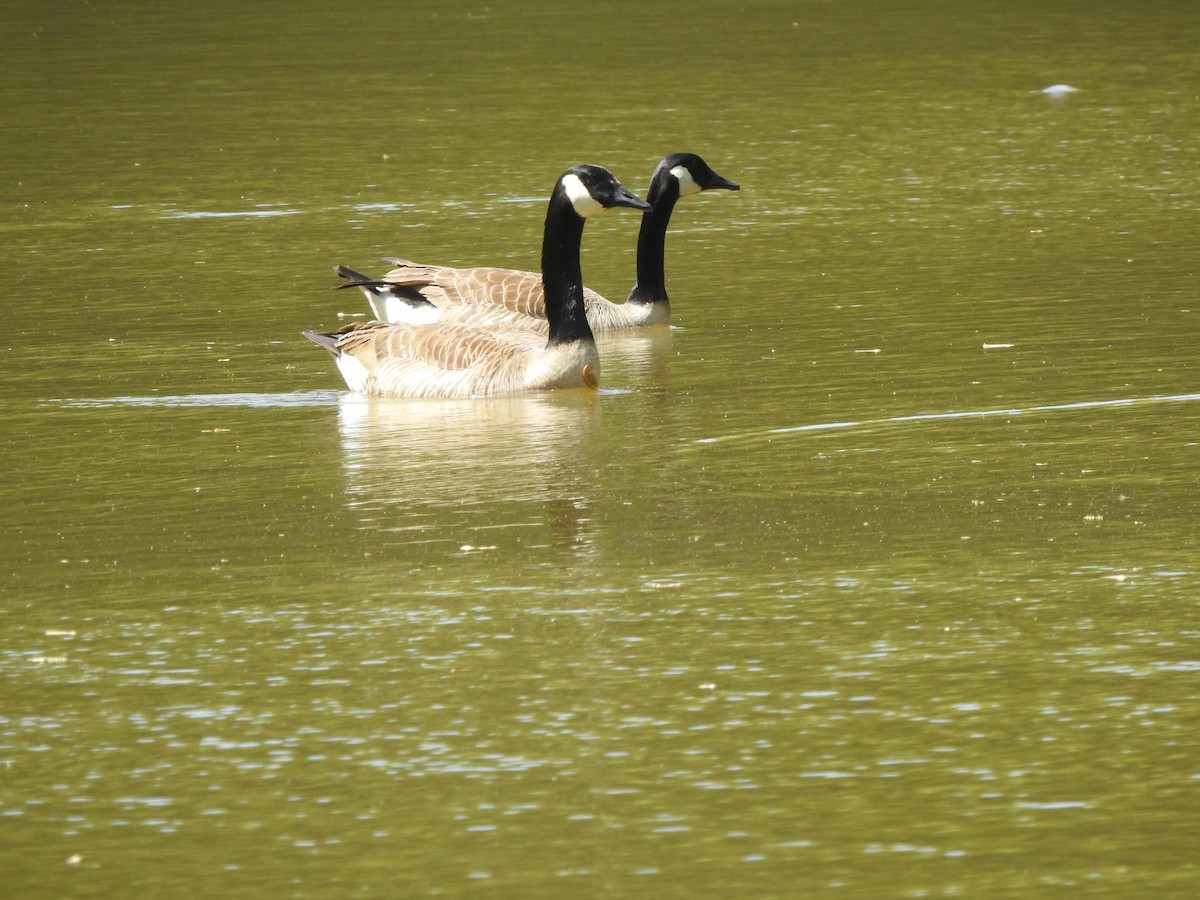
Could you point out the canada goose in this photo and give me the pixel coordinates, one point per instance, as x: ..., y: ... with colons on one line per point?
x: 452, y: 359
x: 412, y: 292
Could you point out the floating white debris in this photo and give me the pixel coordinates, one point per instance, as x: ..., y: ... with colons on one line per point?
x: 997, y: 346
x: 1058, y: 91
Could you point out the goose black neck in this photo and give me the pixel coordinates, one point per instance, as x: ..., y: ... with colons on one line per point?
x: 651, y: 286
x: 562, y: 280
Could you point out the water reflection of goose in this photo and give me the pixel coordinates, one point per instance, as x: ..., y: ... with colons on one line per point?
x: 472, y: 472
x: 635, y: 357
x: 442, y: 359
x: 413, y: 292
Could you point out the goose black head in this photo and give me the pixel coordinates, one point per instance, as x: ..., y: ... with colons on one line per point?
x: 695, y: 175
x: 593, y: 188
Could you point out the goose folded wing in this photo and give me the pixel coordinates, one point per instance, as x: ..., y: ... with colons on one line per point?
x: 450, y: 346
x: 519, y: 293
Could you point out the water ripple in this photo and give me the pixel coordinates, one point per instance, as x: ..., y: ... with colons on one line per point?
x: 178, y: 401
x: 945, y: 416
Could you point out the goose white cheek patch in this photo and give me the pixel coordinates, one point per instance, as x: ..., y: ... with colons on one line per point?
x: 585, y: 204
x: 687, y: 184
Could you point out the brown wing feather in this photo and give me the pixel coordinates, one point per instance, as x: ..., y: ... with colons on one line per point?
x: 453, y: 346
x: 490, y: 297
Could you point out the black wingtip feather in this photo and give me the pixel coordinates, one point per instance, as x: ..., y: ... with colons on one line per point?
x: 347, y: 272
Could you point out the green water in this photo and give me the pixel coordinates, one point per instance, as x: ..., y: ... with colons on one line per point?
x: 875, y: 576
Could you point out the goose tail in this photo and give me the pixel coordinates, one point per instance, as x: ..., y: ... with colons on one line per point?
x: 328, y: 341
x: 389, y: 302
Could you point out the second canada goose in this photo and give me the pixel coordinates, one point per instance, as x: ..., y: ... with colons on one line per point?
x: 453, y: 359
x: 412, y: 292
